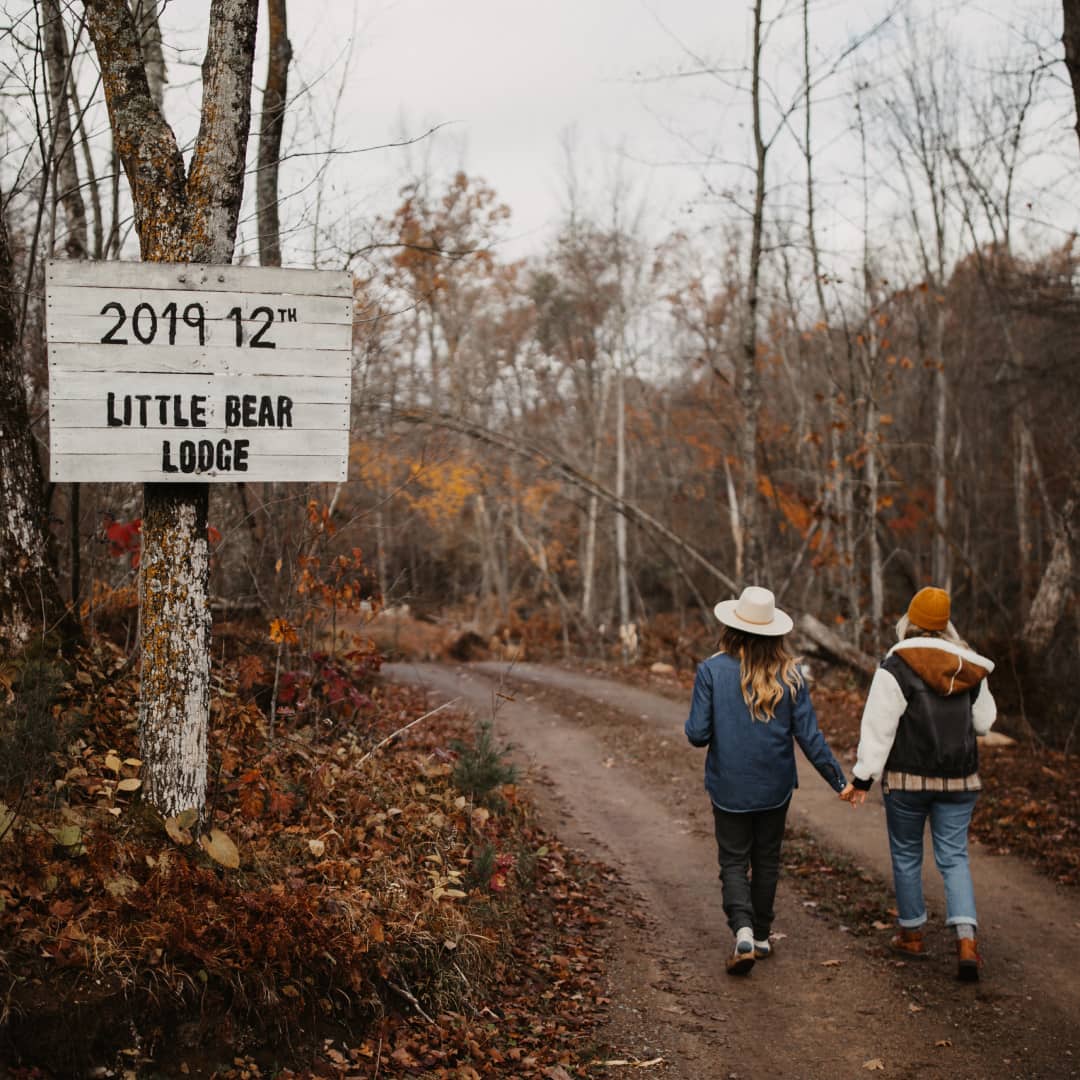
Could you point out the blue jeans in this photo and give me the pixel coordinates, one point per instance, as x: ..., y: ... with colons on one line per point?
x: 950, y: 814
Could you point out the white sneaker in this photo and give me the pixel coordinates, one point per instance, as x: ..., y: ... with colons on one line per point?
x: 762, y: 949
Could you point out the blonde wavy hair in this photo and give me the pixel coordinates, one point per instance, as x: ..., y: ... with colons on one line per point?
x: 905, y: 629
x: 766, y: 669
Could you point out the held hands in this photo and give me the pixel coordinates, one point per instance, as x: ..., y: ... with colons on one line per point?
x: 852, y: 794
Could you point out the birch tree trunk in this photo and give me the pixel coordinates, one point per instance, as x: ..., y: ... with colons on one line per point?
x: 626, y: 635
x: 180, y: 217
x: 1057, y: 583
x: 733, y: 518
x: 588, y: 572
x: 30, y: 601
x: 588, y: 569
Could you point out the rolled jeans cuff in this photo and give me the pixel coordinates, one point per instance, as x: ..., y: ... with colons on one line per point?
x: 912, y: 924
x: 961, y: 920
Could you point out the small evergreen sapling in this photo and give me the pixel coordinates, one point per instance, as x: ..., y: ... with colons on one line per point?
x: 481, y: 768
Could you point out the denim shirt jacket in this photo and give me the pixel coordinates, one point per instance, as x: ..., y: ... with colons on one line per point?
x: 750, y: 764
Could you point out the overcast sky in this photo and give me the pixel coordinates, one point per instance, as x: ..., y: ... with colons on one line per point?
x: 512, y: 80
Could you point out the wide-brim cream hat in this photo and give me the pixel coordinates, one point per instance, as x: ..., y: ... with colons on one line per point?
x: 755, y: 612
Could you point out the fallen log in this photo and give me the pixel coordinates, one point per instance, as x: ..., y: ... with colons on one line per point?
x: 835, y: 646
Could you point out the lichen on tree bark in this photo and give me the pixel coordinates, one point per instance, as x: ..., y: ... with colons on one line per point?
x: 175, y: 614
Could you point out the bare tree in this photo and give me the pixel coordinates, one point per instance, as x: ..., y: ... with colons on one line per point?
x: 30, y: 601
x: 1058, y: 582
x: 180, y: 216
x: 924, y: 123
x: 65, y: 169
x: 68, y: 193
x: 275, y: 97
x: 146, y: 18
x: 747, y: 380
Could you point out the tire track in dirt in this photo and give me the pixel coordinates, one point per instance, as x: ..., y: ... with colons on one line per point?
x: 612, y: 774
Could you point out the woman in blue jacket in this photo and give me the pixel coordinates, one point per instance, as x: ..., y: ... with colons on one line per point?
x: 750, y: 706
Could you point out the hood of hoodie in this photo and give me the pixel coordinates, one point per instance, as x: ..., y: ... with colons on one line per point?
x: 947, y: 668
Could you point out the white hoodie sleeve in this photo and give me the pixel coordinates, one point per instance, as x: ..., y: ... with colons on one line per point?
x: 984, y: 711
x: 885, y: 704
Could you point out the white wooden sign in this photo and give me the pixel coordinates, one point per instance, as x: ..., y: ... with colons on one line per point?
x: 173, y: 373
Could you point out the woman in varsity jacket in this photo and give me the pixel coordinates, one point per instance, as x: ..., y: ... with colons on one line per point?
x: 927, y: 702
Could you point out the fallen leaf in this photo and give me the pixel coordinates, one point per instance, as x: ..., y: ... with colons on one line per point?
x: 879, y: 925
x: 943, y: 1042
x: 178, y: 831
x: 121, y: 886
x: 912, y: 1007
x: 402, y: 1056
x: 317, y: 848
x: 112, y: 762
x: 132, y: 783
x: 831, y: 963
x: 874, y: 1063
x: 221, y: 849
x: 69, y: 836
x: 556, y: 1072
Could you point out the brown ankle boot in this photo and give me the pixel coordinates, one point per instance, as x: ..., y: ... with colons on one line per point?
x: 968, y: 960
x: 909, y: 943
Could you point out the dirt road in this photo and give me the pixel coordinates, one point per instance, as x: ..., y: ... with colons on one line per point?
x: 612, y: 773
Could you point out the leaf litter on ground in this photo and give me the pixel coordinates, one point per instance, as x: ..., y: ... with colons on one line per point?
x: 339, y: 880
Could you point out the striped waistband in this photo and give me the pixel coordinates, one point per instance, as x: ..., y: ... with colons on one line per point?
x: 902, y: 781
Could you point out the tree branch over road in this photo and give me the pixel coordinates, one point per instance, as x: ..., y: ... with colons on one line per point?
x: 567, y: 471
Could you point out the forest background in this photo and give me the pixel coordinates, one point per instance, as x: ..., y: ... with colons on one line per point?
x: 852, y: 375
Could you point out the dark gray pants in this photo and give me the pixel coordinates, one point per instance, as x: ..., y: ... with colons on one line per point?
x: 748, y: 846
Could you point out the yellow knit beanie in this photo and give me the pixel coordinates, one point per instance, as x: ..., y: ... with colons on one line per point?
x: 929, y: 609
